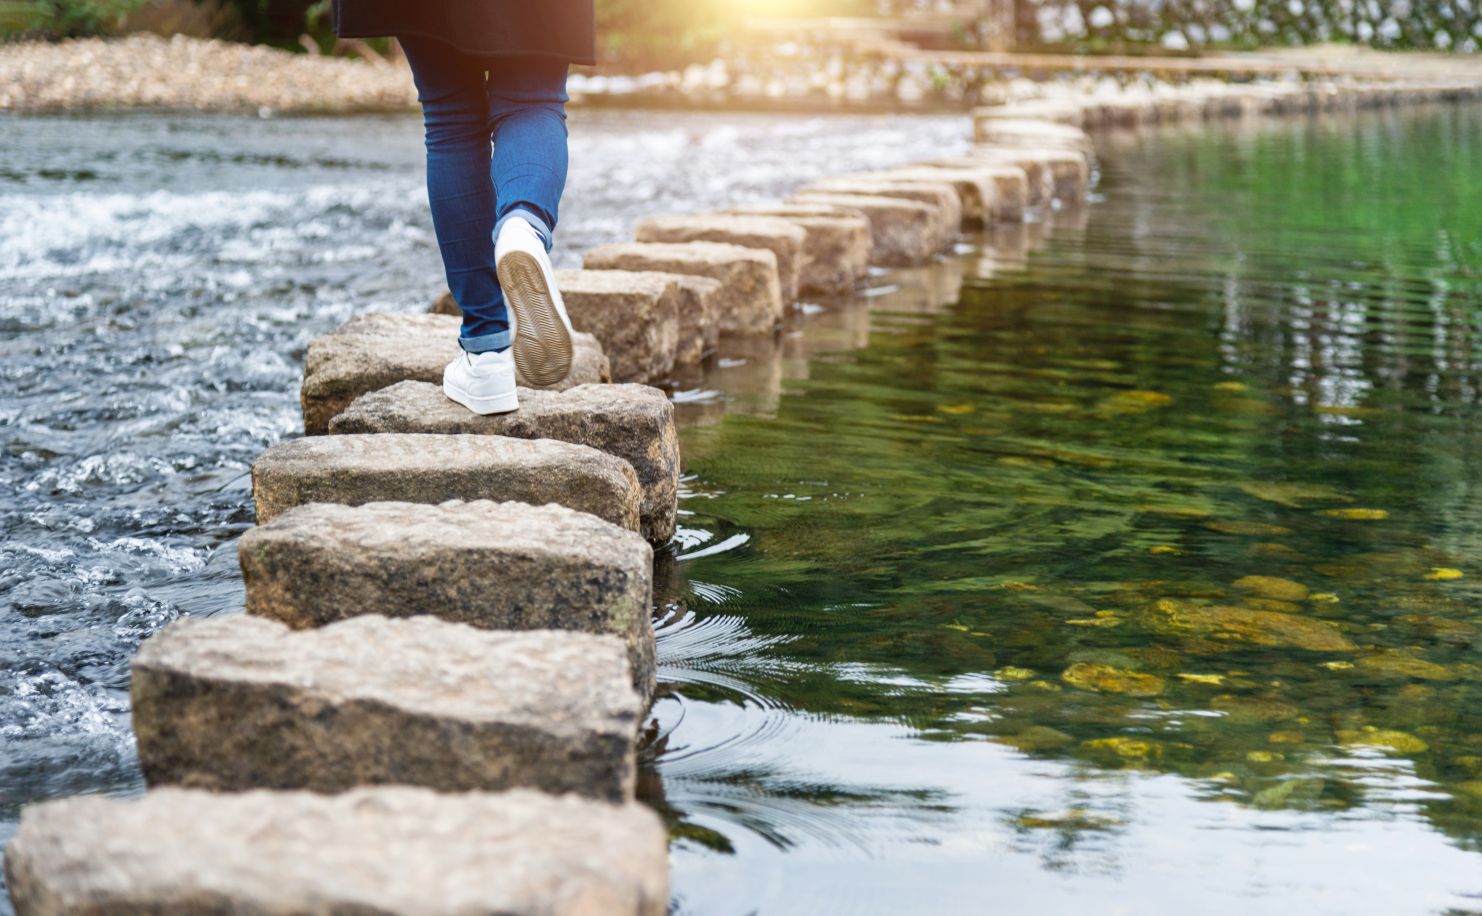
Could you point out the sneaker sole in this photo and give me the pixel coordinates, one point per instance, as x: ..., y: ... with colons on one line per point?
x: 504, y: 403
x: 542, y: 343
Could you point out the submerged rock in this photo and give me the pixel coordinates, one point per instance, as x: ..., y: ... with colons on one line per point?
x: 1245, y: 626
x: 1390, y: 739
x: 1107, y: 679
x: 1272, y: 587
x: 386, y: 850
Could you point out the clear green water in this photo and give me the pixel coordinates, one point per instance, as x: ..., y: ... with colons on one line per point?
x: 963, y: 621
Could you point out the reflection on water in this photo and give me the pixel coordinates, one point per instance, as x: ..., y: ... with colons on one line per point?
x: 1130, y: 557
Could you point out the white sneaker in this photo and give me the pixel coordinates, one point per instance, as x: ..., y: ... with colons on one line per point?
x: 482, y: 382
x: 538, y: 316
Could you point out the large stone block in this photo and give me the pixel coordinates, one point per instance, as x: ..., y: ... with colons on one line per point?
x: 422, y: 468
x: 977, y: 195
x: 509, y: 566
x: 836, y: 247
x: 372, y: 351
x: 901, y: 231
x: 1031, y: 132
x: 1009, y: 183
x: 697, y: 300
x: 940, y: 195
x: 1063, y: 111
x: 750, y: 298
x: 1039, y: 184
x: 780, y: 237
x: 1067, y: 172
x: 236, y: 703
x: 386, y: 850
x: 635, y: 316
x: 633, y: 422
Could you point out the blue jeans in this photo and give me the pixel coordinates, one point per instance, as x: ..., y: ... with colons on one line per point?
x: 519, y: 105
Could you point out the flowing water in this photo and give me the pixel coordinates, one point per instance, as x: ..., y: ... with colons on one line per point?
x: 1126, y: 561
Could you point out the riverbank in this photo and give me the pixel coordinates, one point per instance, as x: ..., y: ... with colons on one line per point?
x: 188, y: 74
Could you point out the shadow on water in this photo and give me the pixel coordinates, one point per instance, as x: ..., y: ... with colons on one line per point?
x: 1133, y: 553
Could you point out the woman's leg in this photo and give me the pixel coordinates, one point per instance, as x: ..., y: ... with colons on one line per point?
x: 455, y: 109
x: 527, y: 122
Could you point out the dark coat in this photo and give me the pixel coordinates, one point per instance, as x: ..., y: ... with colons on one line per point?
x: 565, y: 29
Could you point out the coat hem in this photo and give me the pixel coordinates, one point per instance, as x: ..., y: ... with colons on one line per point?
x: 483, y: 52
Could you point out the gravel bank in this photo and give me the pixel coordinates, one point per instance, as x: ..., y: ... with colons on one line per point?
x: 146, y: 71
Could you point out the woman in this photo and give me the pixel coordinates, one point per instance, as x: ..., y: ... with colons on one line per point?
x: 493, y: 72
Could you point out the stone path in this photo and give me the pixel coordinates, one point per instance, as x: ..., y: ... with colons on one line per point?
x: 438, y: 600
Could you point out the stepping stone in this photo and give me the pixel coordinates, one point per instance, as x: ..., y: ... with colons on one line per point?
x: 1039, y: 186
x: 902, y: 232
x: 237, y: 703
x: 1031, y: 132
x: 378, y: 349
x: 1004, y: 200
x: 632, y: 422
x: 1068, y: 174
x: 977, y: 192
x: 509, y: 566
x: 1063, y: 111
x: 940, y: 195
x: 780, y: 237
x: 750, y: 298
x: 388, y: 850
x: 635, y: 316
x: 358, y: 469
x: 836, y: 247
x: 694, y: 299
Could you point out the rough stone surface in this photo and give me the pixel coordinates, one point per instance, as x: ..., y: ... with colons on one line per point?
x: 941, y: 196
x: 750, y: 298
x: 633, y: 422
x: 836, y: 248
x: 1010, y: 187
x: 375, y: 350
x: 902, y: 232
x: 977, y: 194
x: 697, y: 299
x: 1030, y: 132
x: 236, y: 703
x: 509, y: 566
x: 385, y: 850
x: 1064, y: 111
x: 635, y: 316
x: 1068, y: 174
x: 356, y: 469
x: 780, y: 237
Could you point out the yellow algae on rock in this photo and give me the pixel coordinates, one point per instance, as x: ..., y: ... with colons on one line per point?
x: 1165, y: 550
x: 1337, y: 666
x: 1400, y: 665
x: 1286, y: 736
x: 956, y: 409
x: 1011, y: 673
x: 1109, y: 679
x: 1358, y: 515
x: 1264, y: 756
x: 1267, y: 550
x: 1369, y: 736
x: 1243, y: 625
x: 1127, y: 748
x: 1134, y: 401
x: 1252, y: 710
x: 1102, y: 622
x: 1211, y: 679
x: 1247, y: 528
x: 1236, y: 387
x: 1272, y: 587
x: 1323, y: 598
x: 1443, y: 574
x: 1472, y: 787
x: 1293, y: 495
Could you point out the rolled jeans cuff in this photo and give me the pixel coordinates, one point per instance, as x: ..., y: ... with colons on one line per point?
x: 486, y: 342
x: 541, y: 229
